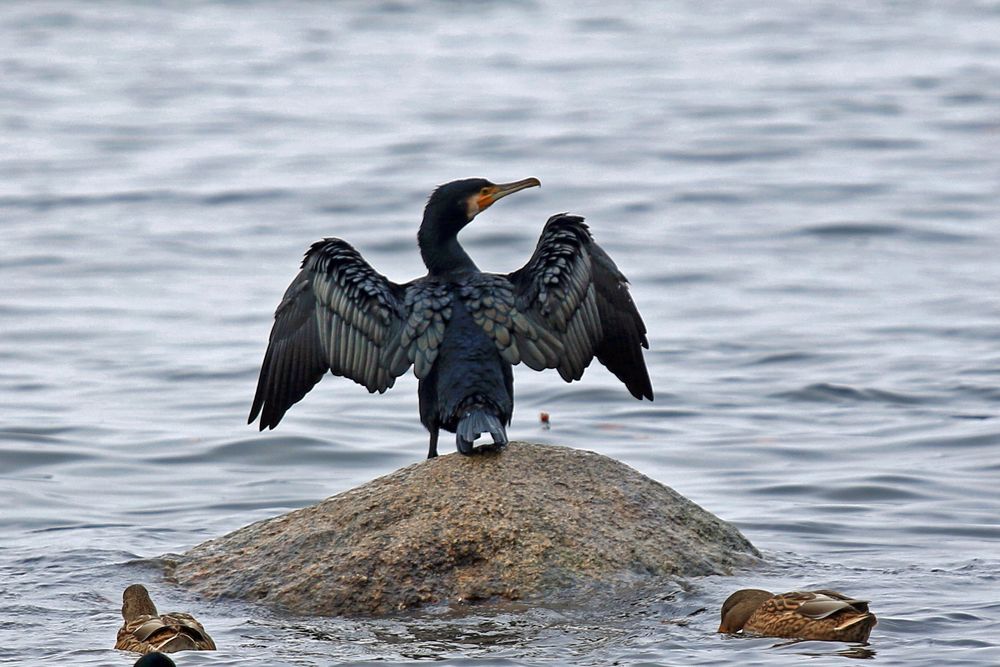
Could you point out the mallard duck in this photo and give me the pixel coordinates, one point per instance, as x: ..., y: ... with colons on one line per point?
x: 154, y: 659
x: 822, y: 615
x: 145, y: 631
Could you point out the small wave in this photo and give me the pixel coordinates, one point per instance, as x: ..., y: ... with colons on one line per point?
x: 709, y: 197
x: 989, y: 532
x: 33, y: 261
x: 243, y: 196
x: 876, y: 229
x: 188, y: 375
x: 49, y: 202
x: 868, y: 107
x: 392, y: 246
x: 604, y: 24
x: 948, y: 331
x: 274, y: 450
x: 970, y: 98
x: 579, y: 396
x: 876, y: 143
x: 823, y: 528
x: 685, y: 278
x: 730, y: 156
x: 786, y: 358
x: 80, y: 526
x: 862, y: 493
x: 824, y: 392
x: 852, y: 229
x: 940, y: 213
x: 941, y: 444
x: 783, y: 490
x: 34, y: 434
x: 986, y: 393
x: 644, y: 415
x: 827, y: 193
x: 17, y: 460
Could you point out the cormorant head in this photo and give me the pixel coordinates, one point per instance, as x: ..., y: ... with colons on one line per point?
x: 155, y: 659
x: 453, y: 205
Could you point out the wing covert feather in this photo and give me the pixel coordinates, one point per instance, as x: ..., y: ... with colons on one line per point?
x: 491, y: 302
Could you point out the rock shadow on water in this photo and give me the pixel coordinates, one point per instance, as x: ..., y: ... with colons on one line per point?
x: 534, y: 523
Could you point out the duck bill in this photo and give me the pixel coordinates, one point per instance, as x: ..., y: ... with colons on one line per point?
x: 504, y: 189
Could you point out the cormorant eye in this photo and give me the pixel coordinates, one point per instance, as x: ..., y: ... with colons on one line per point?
x: 484, y: 191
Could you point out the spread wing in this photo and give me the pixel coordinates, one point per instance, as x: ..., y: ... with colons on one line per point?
x: 574, y: 291
x: 341, y: 315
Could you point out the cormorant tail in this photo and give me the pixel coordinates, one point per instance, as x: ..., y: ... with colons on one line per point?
x: 475, y: 422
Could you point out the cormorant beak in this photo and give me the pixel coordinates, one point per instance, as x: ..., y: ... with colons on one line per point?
x: 493, y: 193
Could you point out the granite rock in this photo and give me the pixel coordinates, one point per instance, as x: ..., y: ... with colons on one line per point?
x: 532, y: 522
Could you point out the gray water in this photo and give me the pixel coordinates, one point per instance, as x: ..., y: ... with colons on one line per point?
x: 805, y: 197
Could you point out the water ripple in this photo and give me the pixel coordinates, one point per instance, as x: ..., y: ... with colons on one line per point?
x: 824, y: 392
x: 812, y: 245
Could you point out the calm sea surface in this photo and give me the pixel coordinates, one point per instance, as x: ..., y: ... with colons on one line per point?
x: 805, y: 196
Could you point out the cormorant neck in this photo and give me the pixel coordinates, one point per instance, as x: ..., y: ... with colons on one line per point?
x: 441, y: 251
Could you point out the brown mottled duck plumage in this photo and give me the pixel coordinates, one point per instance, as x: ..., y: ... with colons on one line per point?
x: 144, y: 630
x: 820, y: 615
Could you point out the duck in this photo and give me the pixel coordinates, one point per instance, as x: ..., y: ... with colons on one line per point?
x: 822, y: 615
x: 155, y: 659
x: 146, y: 631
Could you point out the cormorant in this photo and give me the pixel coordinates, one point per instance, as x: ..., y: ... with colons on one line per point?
x: 460, y: 328
x: 155, y: 659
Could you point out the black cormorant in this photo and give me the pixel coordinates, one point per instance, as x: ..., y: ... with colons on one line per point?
x: 461, y: 329
x: 155, y: 659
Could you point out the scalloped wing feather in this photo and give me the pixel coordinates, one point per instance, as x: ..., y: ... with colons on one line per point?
x: 339, y: 314
x: 573, y: 290
x: 428, y: 304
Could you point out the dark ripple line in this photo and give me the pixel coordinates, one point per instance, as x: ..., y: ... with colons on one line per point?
x: 876, y: 143
x: 42, y: 203
x: 34, y: 434
x: 870, y: 492
x: 80, y: 526
x: 943, y: 444
x: 824, y: 392
x: 45, y: 203
x: 730, y: 157
x: 787, y: 358
x: 877, y: 229
x: 709, y: 197
x: 983, y: 531
x: 270, y: 450
x: 827, y: 193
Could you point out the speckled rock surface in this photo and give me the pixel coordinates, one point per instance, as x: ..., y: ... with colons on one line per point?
x: 530, y: 522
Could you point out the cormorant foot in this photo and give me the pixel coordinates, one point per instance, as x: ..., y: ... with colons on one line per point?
x: 465, y: 447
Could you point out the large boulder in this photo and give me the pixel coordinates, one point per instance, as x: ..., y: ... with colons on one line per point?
x: 529, y: 523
